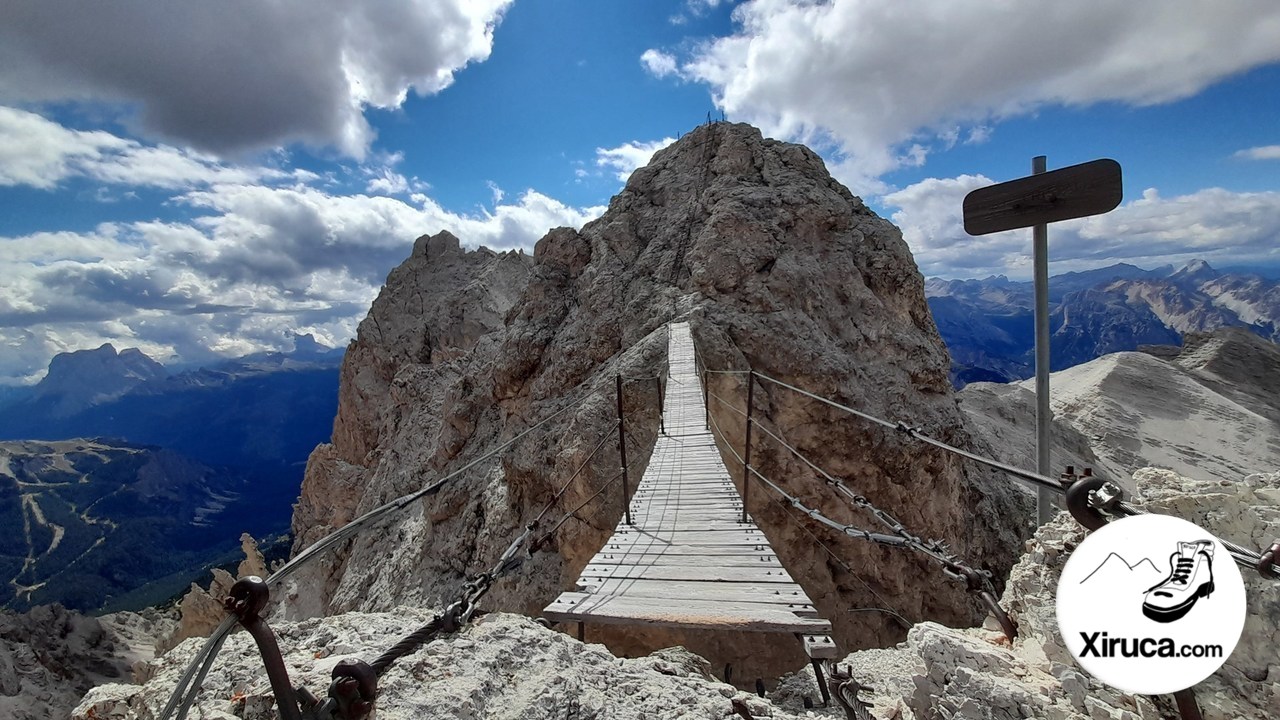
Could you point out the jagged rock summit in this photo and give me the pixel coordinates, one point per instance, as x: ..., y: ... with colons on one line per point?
x: 82, y: 378
x: 777, y: 267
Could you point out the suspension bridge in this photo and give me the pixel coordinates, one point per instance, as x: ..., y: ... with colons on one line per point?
x: 687, y: 554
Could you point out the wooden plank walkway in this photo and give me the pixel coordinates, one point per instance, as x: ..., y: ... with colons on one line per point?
x: 688, y: 560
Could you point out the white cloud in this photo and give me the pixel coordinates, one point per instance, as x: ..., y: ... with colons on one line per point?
x: 40, y: 153
x: 1262, y: 152
x: 869, y: 77
x: 497, y: 192
x: 1218, y: 225
x: 248, y: 76
x: 658, y: 63
x: 255, y: 264
x: 624, y: 159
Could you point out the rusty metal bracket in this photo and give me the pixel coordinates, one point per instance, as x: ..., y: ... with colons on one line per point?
x: 247, y: 600
x: 846, y: 690
x: 1188, y: 708
x: 1080, y: 505
x: 353, y: 689
x: 1267, y: 561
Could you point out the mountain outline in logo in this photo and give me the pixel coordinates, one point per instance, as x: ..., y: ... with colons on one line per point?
x: 1128, y: 566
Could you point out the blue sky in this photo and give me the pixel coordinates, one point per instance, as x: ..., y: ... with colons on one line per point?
x: 204, y: 181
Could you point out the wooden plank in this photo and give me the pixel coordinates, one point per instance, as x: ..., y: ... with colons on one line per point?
x: 776, y: 594
x: 696, y: 554
x: 714, y: 526
x: 722, y: 488
x: 724, y: 561
x: 614, y: 609
x: 677, y: 504
x: 708, y: 540
x: 1077, y: 191
x: 759, y: 576
x: 750, y: 536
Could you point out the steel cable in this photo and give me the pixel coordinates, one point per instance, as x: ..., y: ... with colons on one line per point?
x: 215, y: 641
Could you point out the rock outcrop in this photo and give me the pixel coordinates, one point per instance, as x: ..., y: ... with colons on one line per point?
x: 509, y: 666
x: 777, y: 267
x: 49, y: 657
x: 502, y: 667
x: 1210, y: 411
x: 973, y: 674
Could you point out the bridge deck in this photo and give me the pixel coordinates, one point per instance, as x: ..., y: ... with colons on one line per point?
x: 688, y: 560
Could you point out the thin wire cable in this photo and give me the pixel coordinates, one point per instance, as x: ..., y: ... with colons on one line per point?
x: 850, y: 530
x: 1025, y: 475
x: 857, y: 500
x: 1243, y: 556
x: 194, y: 690
x: 586, y: 502
x: 564, y: 488
x: 726, y: 403
x: 347, y: 531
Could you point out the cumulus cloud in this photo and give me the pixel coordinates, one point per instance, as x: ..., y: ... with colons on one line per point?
x: 1262, y: 152
x: 624, y: 159
x: 253, y: 265
x: 40, y: 153
x: 658, y: 63
x: 1225, y: 227
x: 866, y: 78
x: 245, y: 75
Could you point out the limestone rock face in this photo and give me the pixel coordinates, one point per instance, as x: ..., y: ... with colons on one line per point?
x: 1209, y: 411
x: 501, y: 667
x: 971, y: 674
x: 49, y: 657
x: 777, y: 267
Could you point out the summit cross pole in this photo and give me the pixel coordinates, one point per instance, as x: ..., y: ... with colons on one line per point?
x: 1077, y: 191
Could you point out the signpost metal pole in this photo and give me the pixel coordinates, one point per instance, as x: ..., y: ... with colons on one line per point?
x: 1078, y: 191
x: 1040, y: 259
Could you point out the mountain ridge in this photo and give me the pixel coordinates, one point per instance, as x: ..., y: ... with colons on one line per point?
x: 776, y: 266
x: 988, y: 324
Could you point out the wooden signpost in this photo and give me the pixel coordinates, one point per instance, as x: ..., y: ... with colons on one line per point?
x: 1034, y: 201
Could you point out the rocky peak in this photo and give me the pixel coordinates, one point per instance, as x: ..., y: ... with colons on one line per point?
x: 777, y: 267
x: 82, y: 378
x: 1196, y: 271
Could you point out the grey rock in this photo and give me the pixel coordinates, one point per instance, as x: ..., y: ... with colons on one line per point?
x: 1211, y: 413
x: 777, y: 267
x: 49, y: 657
x: 949, y: 669
x: 500, y: 667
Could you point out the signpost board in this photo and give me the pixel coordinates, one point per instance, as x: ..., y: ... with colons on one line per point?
x: 1034, y: 201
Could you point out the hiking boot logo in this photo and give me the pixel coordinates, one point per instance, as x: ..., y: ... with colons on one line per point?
x: 1190, y: 578
x: 1135, y: 616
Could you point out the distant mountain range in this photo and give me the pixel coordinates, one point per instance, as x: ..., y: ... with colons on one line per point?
x: 260, y: 413
x: 989, y: 326
x: 184, y: 461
